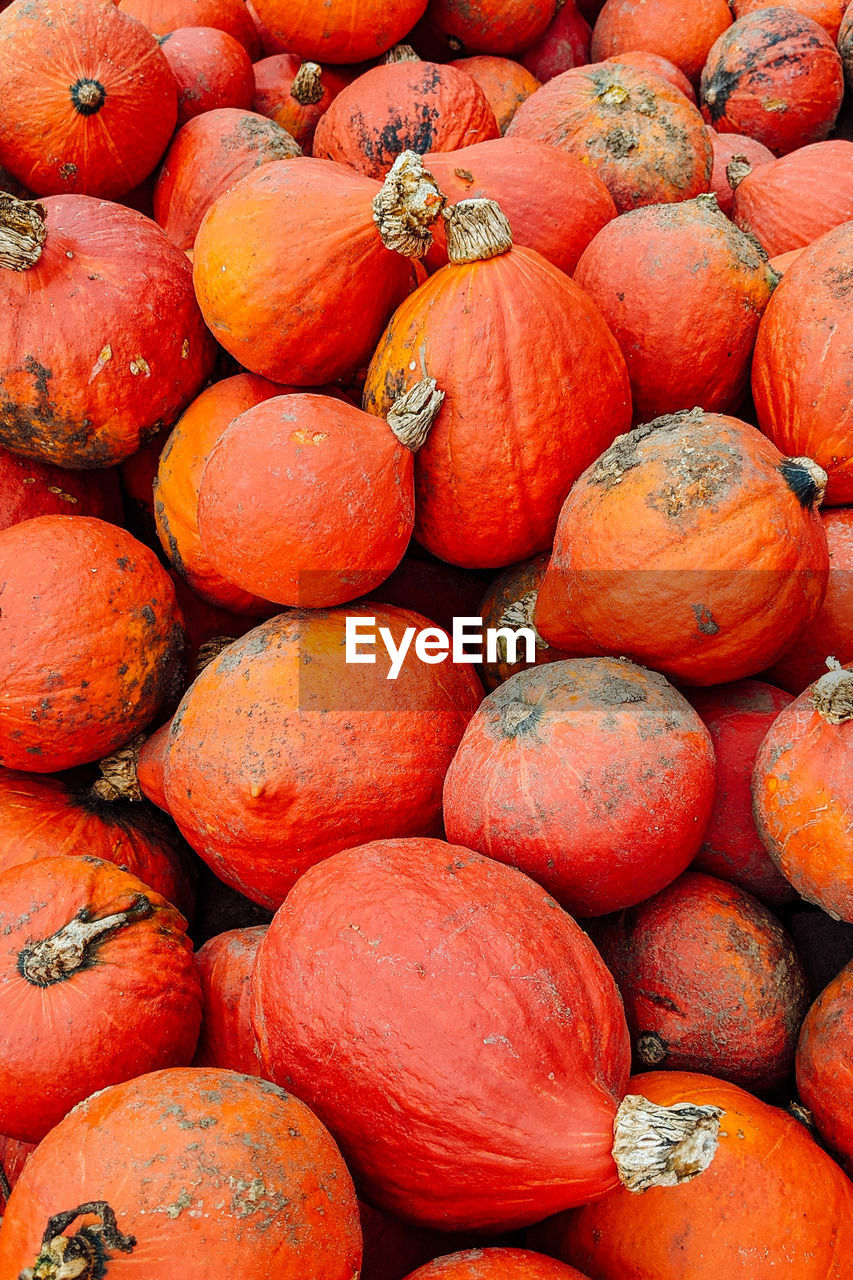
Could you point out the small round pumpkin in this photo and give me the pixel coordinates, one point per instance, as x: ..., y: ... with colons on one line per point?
x: 827, y: 13
x: 505, y: 604
x: 163, y: 16
x: 743, y: 155
x: 211, y: 70
x: 505, y: 83
x: 563, y: 45
x: 295, y: 94
x: 481, y: 26
x: 824, y: 1058
x: 682, y: 31
x: 788, y: 204
x: 225, y: 965
x: 338, y: 31
x: 29, y: 488
x: 643, y: 60
x: 495, y: 1264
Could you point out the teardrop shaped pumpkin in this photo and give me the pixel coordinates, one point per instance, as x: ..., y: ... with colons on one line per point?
x: 824, y: 1057
x: 227, y: 1037
x: 563, y: 45
x: 295, y: 94
x: 682, y: 31
x: 792, y: 202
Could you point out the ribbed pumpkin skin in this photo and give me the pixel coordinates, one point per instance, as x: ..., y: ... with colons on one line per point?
x: 683, y: 346
x: 532, y: 782
x: 163, y: 16
x: 512, y: 434
x: 738, y: 716
x: 679, y: 30
x: 139, y: 981
x: 553, y: 202
x: 827, y: 13
x: 227, y: 1038
x: 87, y: 99
x: 279, y: 713
x: 771, y: 1202
x: 505, y: 83
x: 339, y: 30
x: 273, y: 98
x: 495, y: 1264
x: 800, y: 372
x: 685, y: 548
x: 481, y: 26
x: 211, y: 70
x: 29, y: 488
x: 775, y: 76
x: 102, y: 349
x: 726, y: 147
x: 285, y: 1204
x: 298, y: 299
x: 803, y: 804
x: 637, y: 132
x: 653, y: 63
x: 798, y: 198
x: 207, y: 156
x: 825, y: 1064
x: 453, y: 1004
x: 563, y: 45
x: 508, y: 588
x: 69, y: 695
x: 414, y: 106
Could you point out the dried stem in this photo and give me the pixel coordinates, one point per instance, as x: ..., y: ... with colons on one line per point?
x: 407, y: 206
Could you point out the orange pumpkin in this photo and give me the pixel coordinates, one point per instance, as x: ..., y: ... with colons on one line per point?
x: 845, y: 44
x: 295, y: 94
x: 481, y: 26
x: 13, y: 1156
x: 782, y: 261
x: 211, y: 70
x: 788, y: 204
x: 225, y: 967
x: 337, y: 30
x: 163, y: 16
x: 800, y: 372
x: 87, y: 99
x: 653, y: 63
x: 151, y: 766
x: 825, y: 1064
x: 743, y: 154
x: 29, y: 488
x: 495, y: 1264
x: 682, y: 31
x: 506, y: 604
x: 505, y: 83
x: 563, y: 45
x: 637, y: 132
x: 659, y: 544
x: 827, y: 13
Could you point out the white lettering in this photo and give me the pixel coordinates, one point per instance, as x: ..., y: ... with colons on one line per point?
x: 462, y: 635
x: 432, y: 645
x: 353, y: 639
x: 397, y: 654
x: 508, y: 650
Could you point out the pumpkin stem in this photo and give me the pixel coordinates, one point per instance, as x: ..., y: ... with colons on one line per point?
x: 73, y: 947
x: 307, y: 87
x: 832, y: 694
x: 663, y: 1146
x: 407, y: 206
x: 22, y: 232
x: 737, y: 169
x: 806, y: 480
x: 520, y: 614
x: 651, y: 1050
x: 401, y: 53
x: 211, y: 650
x: 476, y: 230
x: 411, y: 415
x: 118, y: 779
x: 82, y: 1256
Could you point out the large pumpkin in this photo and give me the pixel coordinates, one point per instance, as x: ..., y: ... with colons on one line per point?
x: 513, y: 433
x: 788, y: 204
x: 227, y: 1038
x: 495, y: 1264
x: 164, y: 16
x: 101, y: 339
x: 29, y: 488
x: 824, y: 1060
x: 91, y: 641
x: 735, y: 156
x: 295, y: 94
x: 87, y: 99
x: 681, y: 31
x: 338, y: 30
x: 693, y: 546
x: 211, y: 69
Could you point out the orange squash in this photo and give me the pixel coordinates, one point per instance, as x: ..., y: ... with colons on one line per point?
x: 505, y: 83
x: 824, y: 1058
x: 682, y: 31
x: 295, y: 94
x: 151, y: 766
x: 643, y: 60
x: 788, y: 204
x: 783, y: 261
x: 338, y: 31
x: 163, y: 16
x: 495, y: 1264
x: 743, y: 154
x: 211, y: 70
x: 827, y: 13
x: 505, y: 604
x: 481, y: 26
x: 225, y: 967
x: 563, y: 45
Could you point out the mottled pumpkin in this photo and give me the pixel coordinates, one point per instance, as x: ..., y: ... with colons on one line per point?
x: 295, y: 94
x: 505, y: 83
x: 211, y: 70
x: 682, y: 31
x: 29, y: 488
x: 225, y: 965
x: 788, y: 204
x: 163, y: 16
x: 563, y: 45
x: 827, y: 13
x: 824, y: 1058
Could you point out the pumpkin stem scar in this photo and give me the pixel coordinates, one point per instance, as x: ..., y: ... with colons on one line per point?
x: 22, y: 232
x: 832, y: 694
x: 84, y: 1255
x: 72, y: 948
x: 663, y: 1146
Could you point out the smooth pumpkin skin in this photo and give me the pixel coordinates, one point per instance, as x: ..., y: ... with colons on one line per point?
x: 643, y: 60
x: 505, y: 83
x: 553, y: 202
x: 790, y: 203
x: 415, y: 106
x: 803, y: 805
x: 338, y: 31
x: 775, y: 76
x: 825, y: 1064
x: 69, y: 696
x: 564, y: 44
x: 726, y: 147
x: 738, y: 717
x: 800, y: 371
x: 683, y: 346
x: 454, y: 1004
x: 827, y: 13
x: 211, y: 70
x: 322, y: 320
x: 532, y: 782
x: 512, y: 435
x: 151, y: 767
x: 685, y: 548
x: 508, y: 588
x: 682, y: 31
x: 225, y: 965
x: 274, y: 97
x: 252, y: 1183
x: 13, y: 1157
x: 266, y: 726
x: 101, y: 148
x: 771, y: 1202
x: 29, y: 488
x: 139, y: 981
x: 495, y: 1264
x: 636, y: 131
x: 482, y: 26
x: 163, y: 16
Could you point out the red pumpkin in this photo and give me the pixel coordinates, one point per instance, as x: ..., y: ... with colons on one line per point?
x: 13, y: 1157
x: 151, y: 766
x: 69, y: 695
x: 657, y: 546
x: 225, y: 968
x: 743, y: 154
x: 163, y: 16
x: 825, y: 1064
x: 295, y: 94
x: 800, y: 372
x: 495, y: 1264
x: 224, y: 1172
x: 532, y: 782
x: 655, y: 65
x: 29, y: 488
x: 827, y: 13
x: 505, y: 83
x: 682, y: 31
x: 211, y: 70
x: 87, y: 99
x: 87, y: 946
x: 775, y: 76
x: 338, y: 31
x: 801, y: 793
x: 481, y: 26
x: 682, y: 346
x: 102, y: 339
x: 563, y: 45
x: 506, y: 604
x: 788, y: 204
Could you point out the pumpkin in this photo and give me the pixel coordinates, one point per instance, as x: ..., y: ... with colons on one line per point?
x: 532, y: 782
x: 788, y: 204
x: 831, y: 633
x: 653, y: 63
x: 225, y: 968
x: 254, y: 800
x: 827, y: 13
x: 710, y: 981
x: 206, y: 625
x: 775, y: 76
x: 495, y: 1264
x: 552, y: 201
x: 505, y: 83
x: 87, y: 946
x: 164, y: 16
x: 338, y: 31
x: 563, y: 45
x: 738, y: 716
x: 13, y: 1157
x: 70, y: 694
x: 295, y: 94
x: 415, y: 106
x: 29, y: 488
x: 87, y: 100
x: 692, y: 546
x: 771, y: 1203
x: 207, y: 156
x: 505, y: 604
x: 211, y: 70
x: 801, y: 793
x: 782, y: 261
x: 151, y: 766
x: 683, y: 347
x: 102, y: 339
x: 824, y: 1058
x: 635, y: 130
x: 302, y: 299
x: 481, y: 26
x: 800, y: 371
x: 845, y: 44
x: 679, y: 31
x: 470, y: 1018
x: 223, y: 1171
x: 735, y: 156
x: 513, y: 432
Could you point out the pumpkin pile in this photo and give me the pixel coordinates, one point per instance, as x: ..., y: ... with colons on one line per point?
x: 426, y: 640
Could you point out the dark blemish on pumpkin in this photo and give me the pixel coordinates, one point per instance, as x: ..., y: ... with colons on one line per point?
x: 839, y: 281
x: 122, y: 562
x: 520, y: 718
x: 705, y: 620
x: 620, y: 143
x: 662, y: 1002
x: 614, y: 691
x: 148, y: 614
x: 68, y: 171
